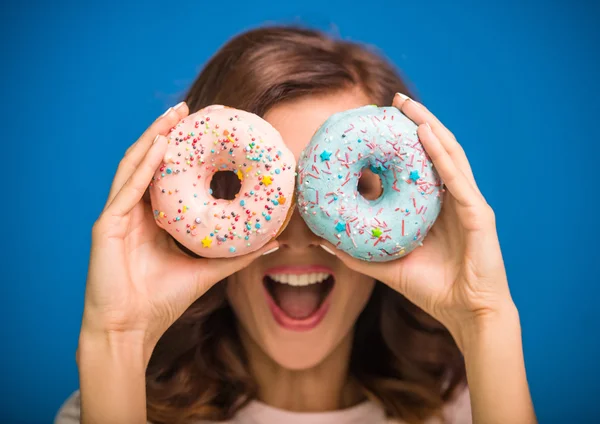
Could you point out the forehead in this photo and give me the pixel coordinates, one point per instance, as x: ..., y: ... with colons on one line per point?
x: 297, y: 120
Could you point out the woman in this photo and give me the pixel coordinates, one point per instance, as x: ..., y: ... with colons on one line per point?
x: 171, y: 338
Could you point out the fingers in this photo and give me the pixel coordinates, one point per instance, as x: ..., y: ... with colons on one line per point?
x: 454, y: 179
x: 134, y: 188
x: 372, y: 269
x: 419, y: 114
x: 134, y: 155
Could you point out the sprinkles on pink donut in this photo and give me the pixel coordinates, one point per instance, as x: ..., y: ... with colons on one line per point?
x: 217, y: 139
x: 384, y: 141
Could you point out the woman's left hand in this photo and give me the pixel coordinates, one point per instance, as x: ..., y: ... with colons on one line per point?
x: 458, y: 275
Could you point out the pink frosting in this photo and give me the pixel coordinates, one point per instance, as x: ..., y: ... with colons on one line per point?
x: 219, y: 138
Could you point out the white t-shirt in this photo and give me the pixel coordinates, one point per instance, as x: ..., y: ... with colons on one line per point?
x: 255, y: 412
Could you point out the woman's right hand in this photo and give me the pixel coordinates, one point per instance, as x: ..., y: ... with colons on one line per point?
x: 139, y: 282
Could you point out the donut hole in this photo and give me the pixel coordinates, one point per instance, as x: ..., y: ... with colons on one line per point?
x: 225, y: 185
x: 369, y: 185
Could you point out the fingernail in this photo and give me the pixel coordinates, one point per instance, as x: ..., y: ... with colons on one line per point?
x: 428, y: 126
x: 166, y: 112
x: 403, y: 96
x: 327, y: 249
x: 156, y: 139
x: 270, y: 251
x: 178, y: 105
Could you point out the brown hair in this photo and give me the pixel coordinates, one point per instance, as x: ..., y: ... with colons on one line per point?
x: 403, y: 358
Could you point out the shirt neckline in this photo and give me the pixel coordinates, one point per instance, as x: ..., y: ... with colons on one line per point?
x: 366, y: 411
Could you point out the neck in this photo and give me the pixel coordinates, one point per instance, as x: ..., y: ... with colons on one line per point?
x: 325, y: 387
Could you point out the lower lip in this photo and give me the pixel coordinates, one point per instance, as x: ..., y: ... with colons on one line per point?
x: 304, y: 324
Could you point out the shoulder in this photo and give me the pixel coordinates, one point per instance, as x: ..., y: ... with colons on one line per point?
x: 456, y: 411
x: 70, y: 411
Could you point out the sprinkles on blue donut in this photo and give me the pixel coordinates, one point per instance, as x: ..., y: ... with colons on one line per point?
x: 385, y: 141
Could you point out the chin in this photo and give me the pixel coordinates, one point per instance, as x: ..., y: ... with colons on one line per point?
x: 298, y: 356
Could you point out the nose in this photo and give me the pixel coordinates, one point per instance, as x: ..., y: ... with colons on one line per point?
x: 297, y: 236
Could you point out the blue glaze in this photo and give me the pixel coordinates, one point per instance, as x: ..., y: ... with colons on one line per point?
x: 385, y: 141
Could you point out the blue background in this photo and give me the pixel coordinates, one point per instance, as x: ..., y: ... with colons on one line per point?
x: 517, y: 82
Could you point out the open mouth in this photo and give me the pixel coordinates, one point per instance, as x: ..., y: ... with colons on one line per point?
x: 298, y: 298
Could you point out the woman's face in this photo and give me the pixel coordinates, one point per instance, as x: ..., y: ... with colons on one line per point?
x: 298, y: 326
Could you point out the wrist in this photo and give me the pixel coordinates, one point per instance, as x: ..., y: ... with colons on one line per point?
x: 495, y: 368
x: 112, y: 377
x: 498, y: 323
x: 133, y: 347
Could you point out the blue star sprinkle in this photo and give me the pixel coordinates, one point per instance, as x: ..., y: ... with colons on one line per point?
x: 325, y: 155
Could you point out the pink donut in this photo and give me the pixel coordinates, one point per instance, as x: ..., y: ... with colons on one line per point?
x: 216, y: 139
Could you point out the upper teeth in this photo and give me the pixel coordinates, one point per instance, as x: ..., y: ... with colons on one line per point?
x: 300, y: 279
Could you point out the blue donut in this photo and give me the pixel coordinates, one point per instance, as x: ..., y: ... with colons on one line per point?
x: 385, y: 141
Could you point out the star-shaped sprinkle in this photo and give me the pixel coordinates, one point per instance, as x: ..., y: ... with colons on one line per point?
x: 340, y: 226
x: 267, y: 180
x: 414, y: 175
x: 325, y: 155
x: 376, y: 232
x: 206, y: 242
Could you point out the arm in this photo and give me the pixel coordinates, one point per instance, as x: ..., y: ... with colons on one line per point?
x: 496, y: 371
x: 112, y: 378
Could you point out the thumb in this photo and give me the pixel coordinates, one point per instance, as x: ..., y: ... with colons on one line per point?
x: 218, y: 269
x: 372, y: 269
